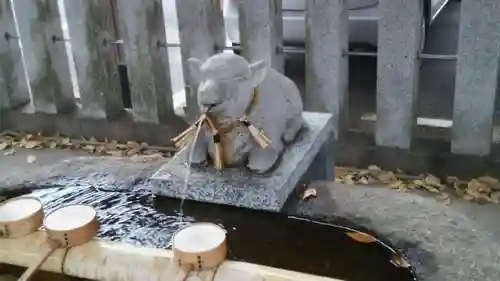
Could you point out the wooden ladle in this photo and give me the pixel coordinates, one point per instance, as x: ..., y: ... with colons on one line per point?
x: 198, y: 247
x: 65, y: 227
x: 20, y: 216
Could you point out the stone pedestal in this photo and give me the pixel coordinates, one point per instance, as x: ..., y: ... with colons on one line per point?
x: 309, y: 158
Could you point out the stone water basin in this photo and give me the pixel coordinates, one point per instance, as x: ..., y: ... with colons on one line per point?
x: 139, y: 218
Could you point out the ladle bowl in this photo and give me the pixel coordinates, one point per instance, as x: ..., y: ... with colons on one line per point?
x: 199, y: 246
x: 65, y: 227
x: 20, y: 216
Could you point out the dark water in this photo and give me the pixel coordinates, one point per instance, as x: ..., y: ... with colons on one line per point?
x: 271, y: 239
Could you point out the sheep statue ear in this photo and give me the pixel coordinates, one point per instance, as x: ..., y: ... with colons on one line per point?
x: 194, y: 66
x: 258, y: 72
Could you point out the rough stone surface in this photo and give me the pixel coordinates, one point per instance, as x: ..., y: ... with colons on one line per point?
x: 260, y: 39
x: 99, y: 171
x: 13, y: 87
x: 327, y: 68
x: 227, y: 84
x: 46, y: 59
x: 238, y: 187
x: 397, y: 70
x: 143, y: 30
x: 442, y: 242
x: 477, y: 72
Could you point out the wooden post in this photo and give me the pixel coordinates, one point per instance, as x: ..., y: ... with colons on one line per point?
x: 144, y: 37
x: 399, y: 32
x: 326, y: 66
x: 260, y: 23
x: 194, y: 18
x: 46, y: 55
x: 14, y: 89
x: 93, y: 38
x: 476, y: 78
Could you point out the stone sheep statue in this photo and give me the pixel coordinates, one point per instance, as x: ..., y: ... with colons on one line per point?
x: 229, y: 88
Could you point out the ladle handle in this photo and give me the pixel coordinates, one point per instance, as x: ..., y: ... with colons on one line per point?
x: 181, y: 275
x: 175, y: 272
x: 49, y: 248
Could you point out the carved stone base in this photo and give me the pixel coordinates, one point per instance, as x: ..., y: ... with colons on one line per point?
x: 309, y: 158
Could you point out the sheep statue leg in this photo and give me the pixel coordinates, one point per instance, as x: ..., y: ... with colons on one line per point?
x: 262, y: 160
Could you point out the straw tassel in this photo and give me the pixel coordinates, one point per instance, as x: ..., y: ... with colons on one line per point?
x: 257, y: 134
x: 186, y: 133
x: 218, y: 159
x: 219, y: 150
x: 181, y: 140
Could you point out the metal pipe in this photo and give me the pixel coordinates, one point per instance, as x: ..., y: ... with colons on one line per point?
x: 302, y: 50
x: 360, y: 54
x: 437, y: 57
x: 292, y: 50
x: 177, y: 45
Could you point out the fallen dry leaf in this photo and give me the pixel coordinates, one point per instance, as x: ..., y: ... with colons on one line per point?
x: 418, y: 182
x: 374, y: 168
x: 31, y: 159
x: 32, y: 144
x: 431, y: 189
x: 116, y: 153
x: 479, y: 191
x: 309, y: 192
x: 495, y: 197
x: 399, y: 260
x: 341, y: 171
x: 430, y: 179
x: 468, y: 197
x: 396, y: 185
x: 363, y: 180
x: 364, y: 173
x: 4, y: 145
x: 490, y: 181
x: 133, y: 144
x: 90, y: 148
x: 387, y: 177
x: 133, y: 152
x: 496, y: 187
x: 100, y: 149
x: 348, y: 179
x: 433, y: 181
x: 361, y: 237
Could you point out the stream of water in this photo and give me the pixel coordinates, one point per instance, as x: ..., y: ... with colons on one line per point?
x: 189, y: 161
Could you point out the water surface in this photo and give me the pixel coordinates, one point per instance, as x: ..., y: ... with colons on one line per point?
x: 138, y: 217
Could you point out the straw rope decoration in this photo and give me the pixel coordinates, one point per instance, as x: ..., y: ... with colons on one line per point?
x: 219, y: 135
